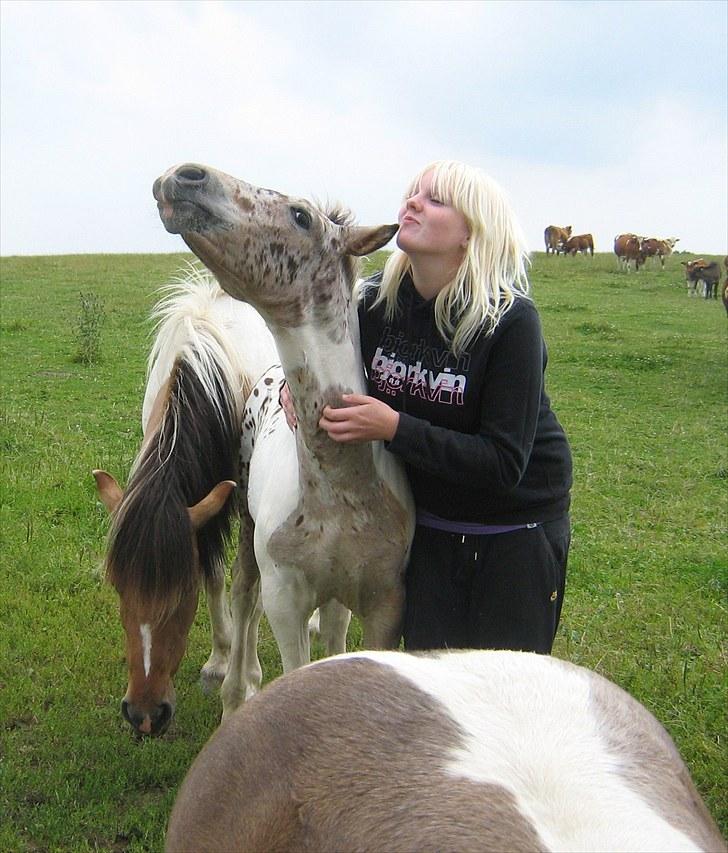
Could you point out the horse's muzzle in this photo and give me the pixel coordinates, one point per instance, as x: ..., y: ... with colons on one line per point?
x: 156, y: 722
x: 181, y: 199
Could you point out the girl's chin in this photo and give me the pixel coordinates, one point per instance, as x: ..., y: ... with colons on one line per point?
x: 404, y: 241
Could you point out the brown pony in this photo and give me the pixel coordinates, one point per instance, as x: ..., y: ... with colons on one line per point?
x: 171, y: 525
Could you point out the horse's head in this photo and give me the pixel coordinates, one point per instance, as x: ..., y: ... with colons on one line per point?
x: 281, y: 254
x: 157, y: 620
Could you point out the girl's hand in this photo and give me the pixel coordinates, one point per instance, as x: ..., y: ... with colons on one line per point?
x: 363, y: 419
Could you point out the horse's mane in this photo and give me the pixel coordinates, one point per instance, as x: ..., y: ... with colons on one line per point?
x: 151, y: 557
x: 340, y: 215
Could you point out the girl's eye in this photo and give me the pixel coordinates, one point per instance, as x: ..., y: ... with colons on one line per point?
x: 301, y: 217
x: 435, y: 200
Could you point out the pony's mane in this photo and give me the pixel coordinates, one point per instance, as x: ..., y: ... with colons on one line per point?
x: 184, y: 326
x: 151, y: 553
x: 340, y: 215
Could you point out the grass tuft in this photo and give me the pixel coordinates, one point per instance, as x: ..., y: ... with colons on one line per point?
x: 88, y: 328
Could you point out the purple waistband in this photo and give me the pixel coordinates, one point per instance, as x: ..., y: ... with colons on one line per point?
x: 466, y: 528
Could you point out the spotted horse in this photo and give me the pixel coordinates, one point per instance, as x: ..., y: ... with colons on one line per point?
x: 324, y: 524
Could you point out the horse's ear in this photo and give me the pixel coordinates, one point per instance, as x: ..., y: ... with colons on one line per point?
x: 109, y: 490
x: 210, y: 505
x: 361, y: 241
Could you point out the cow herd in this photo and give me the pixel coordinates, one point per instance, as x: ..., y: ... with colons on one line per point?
x: 634, y: 250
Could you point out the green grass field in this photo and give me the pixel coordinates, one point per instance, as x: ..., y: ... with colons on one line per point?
x: 638, y: 376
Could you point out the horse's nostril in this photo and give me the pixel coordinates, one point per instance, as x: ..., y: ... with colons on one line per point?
x: 164, y: 718
x: 125, y: 712
x: 192, y: 175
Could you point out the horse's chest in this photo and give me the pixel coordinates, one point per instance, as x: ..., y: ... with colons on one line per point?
x: 347, y: 546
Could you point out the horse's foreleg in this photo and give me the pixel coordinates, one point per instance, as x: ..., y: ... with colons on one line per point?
x: 214, y: 670
x: 334, y: 621
x: 383, y: 625
x: 288, y: 603
x: 244, y: 673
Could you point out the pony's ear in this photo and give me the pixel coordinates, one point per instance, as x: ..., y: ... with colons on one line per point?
x: 361, y: 241
x: 109, y: 490
x: 210, y: 505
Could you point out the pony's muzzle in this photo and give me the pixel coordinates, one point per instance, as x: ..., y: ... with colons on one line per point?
x: 192, y: 175
x: 154, y: 722
x: 185, y: 197
x: 187, y: 177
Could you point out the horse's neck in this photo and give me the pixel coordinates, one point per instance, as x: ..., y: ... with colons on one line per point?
x: 319, y: 368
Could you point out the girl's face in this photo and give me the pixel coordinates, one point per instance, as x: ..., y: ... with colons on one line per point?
x: 427, y: 226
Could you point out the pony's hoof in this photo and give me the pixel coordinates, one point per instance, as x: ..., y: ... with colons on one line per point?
x: 210, y: 680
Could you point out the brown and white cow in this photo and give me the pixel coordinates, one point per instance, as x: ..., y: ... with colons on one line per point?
x: 555, y: 237
x: 628, y: 248
x: 583, y: 243
x: 468, y: 751
x: 652, y: 247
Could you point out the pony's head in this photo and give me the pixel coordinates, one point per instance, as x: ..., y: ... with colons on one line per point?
x: 156, y: 614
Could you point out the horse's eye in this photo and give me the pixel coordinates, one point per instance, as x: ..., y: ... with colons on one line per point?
x: 301, y: 217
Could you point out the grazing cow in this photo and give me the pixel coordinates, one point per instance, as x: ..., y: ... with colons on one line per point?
x: 555, y: 238
x: 628, y: 248
x: 583, y: 243
x: 465, y: 750
x: 652, y: 247
x: 707, y: 272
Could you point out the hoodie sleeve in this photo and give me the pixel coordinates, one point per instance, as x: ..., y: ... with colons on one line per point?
x: 510, y: 398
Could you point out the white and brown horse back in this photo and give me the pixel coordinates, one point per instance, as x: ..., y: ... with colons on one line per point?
x: 467, y: 751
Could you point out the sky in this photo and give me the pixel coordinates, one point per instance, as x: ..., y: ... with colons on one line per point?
x: 606, y: 116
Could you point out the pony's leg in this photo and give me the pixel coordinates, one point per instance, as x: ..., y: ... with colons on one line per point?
x: 382, y: 627
x: 253, y: 672
x: 214, y: 670
x: 244, y: 672
x: 334, y: 621
x: 288, y: 603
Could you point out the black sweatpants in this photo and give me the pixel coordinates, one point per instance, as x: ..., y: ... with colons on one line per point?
x: 500, y: 591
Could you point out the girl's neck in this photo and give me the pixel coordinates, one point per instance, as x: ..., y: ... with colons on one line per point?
x: 432, y: 274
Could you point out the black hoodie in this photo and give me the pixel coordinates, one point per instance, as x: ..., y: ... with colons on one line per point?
x: 476, y: 432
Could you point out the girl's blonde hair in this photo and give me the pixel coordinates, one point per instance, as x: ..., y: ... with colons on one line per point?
x: 492, y: 273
